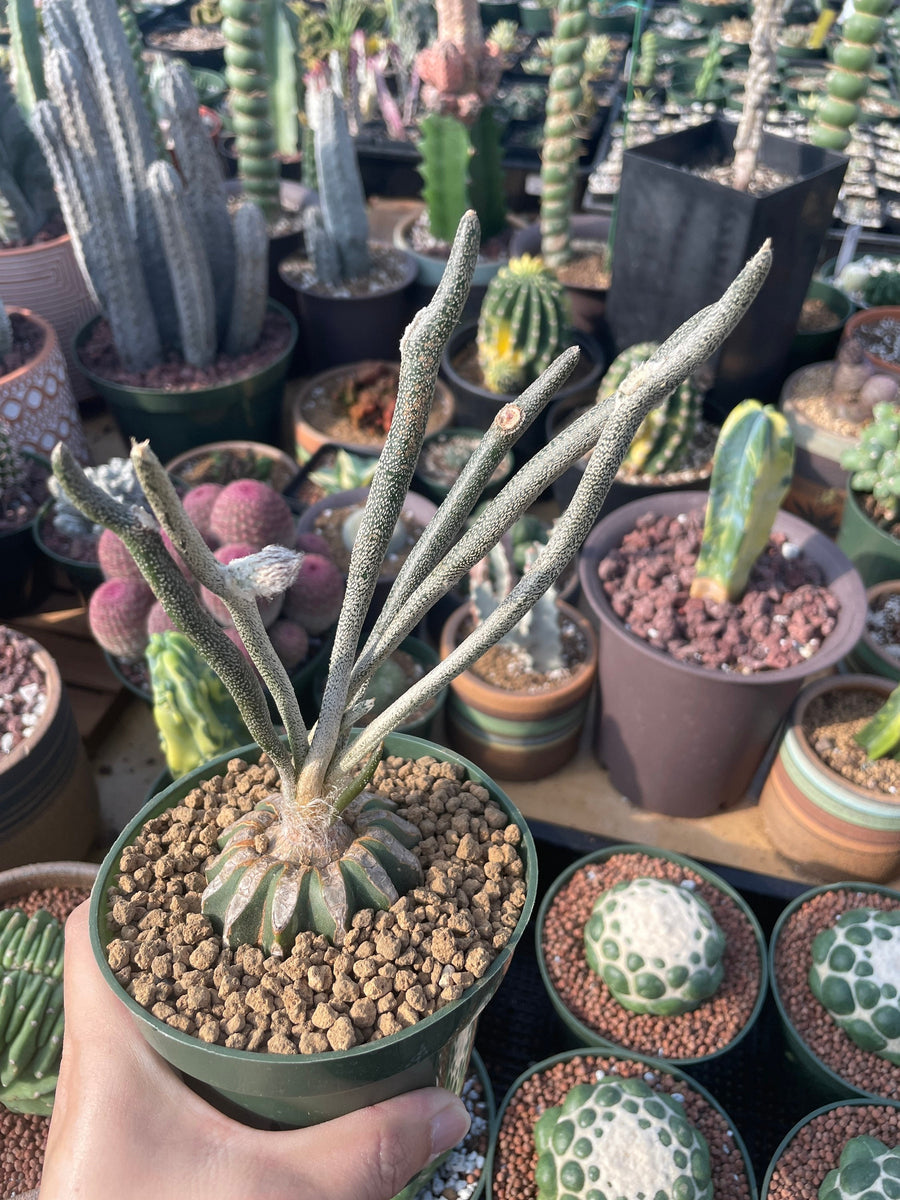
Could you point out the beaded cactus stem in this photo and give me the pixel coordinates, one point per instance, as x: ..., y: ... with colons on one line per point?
x: 655, y: 945
x: 867, y: 1168
x: 855, y: 976
x: 874, y: 462
x: 619, y: 1138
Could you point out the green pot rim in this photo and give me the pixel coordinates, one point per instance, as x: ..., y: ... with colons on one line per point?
x: 590, y: 1036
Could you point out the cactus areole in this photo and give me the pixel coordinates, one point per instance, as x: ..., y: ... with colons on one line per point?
x: 322, y: 848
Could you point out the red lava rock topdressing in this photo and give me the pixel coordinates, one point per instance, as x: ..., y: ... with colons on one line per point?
x: 23, y: 694
x: 816, y: 1147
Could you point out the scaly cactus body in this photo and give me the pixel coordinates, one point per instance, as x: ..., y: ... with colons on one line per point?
x: 874, y: 462
x: 655, y: 945
x: 848, y: 76
x: 867, y: 1166
x: 524, y: 323
x: 854, y: 976
x: 619, y: 1138
x: 752, y: 469
x: 247, y: 77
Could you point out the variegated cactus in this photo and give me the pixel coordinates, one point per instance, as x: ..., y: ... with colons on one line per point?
x: 867, y: 1167
x: 308, y: 855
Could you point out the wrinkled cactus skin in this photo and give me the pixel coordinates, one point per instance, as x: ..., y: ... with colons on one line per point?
x: 868, y: 1169
x: 855, y: 976
x: 619, y: 1138
x: 655, y: 945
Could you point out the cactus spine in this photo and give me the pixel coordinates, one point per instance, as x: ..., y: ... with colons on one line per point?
x: 752, y: 470
x: 524, y: 323
x: 246, y: 73
x: 848, y: 75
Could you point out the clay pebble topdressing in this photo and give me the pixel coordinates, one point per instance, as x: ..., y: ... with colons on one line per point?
x: 816, y: 1147
x: 23, y: 689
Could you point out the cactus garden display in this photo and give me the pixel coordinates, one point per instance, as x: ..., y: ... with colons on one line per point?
x: 866, y: 1166
x: 656, y: 945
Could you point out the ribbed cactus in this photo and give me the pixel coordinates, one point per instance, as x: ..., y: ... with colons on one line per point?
x: 246, y: 73
x: 524, y: 323
x: 867, y: 1167
x: 537, y: 635
x: 306, y: 854
x: 664, y: 440
x: 656, y: 946
x: 874, y: 462
x: 27, y: 200
x: 280, y: 25
x: 446, y: 150
x: 854, y: 977
x: 882, y: 288
x: 618, y: 1138
x: 752, y: 469
x: 645, y: 71
x: 25, y: 53
x: 563, y: 128
x: 195, y: 716
x: 848, y: 76
x: 12, y: 469
x: 31, y: 1009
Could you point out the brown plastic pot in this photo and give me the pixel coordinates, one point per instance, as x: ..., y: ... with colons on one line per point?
x: 870, y: 316
x: 868, y: 656
x: 675, y: 737
x: 518, y: 735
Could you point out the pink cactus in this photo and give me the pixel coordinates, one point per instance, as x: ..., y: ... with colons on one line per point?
x: 314, y: 598
x: 198, y: 504
x: 313, y: 543
x: 158, y: 620
x: 115, y: 558
x: 251, y: 512
x: 269, y: 609
x: 290, y: 642
x: 117, y: 614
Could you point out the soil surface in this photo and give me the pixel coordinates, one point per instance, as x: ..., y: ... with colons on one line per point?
x: 588, y: 267
x: 330, y: 522
x: 813, y: 399
x: 28, y: 341
x: 508, y: 665
x: 19, y: 505
x: 881, y: 338
x: 23, y: 696
x: 816, y: 317
x: 225, y: 466
x: 763, y: 181
x: 782, y: 619
x: 423, y: 241
x: 388, y: 271
x: 831, y: 724
x: 816, y: 1148
x: 79, y: 547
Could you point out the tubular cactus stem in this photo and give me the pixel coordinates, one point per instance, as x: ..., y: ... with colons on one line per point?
x: 768, y: 17
x: 848, y: 76
x: 562, y: 131
x: 247, y: 76
x: 25, y: 52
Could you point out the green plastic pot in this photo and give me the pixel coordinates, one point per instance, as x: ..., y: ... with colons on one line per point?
x: 246, y: 408
x: 581, y: 1034
x: 874, y: 553
x: 867, y: 656
x: 651, y: 1065
x: 713, y: 14
x: 820, y: 344
x: 297, y: 1090
x: 822, y: 1082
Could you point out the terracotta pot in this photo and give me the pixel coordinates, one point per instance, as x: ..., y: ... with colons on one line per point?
x: 679, y: 739
x: 819, y: 482
x: 304, y: 397
x: 36, y: 400
x: 868, y: 656
x: 873, y: 551
x: 869, y: 316
x: 824, y: 825
x: 282, y: 471
x: 46, y: 278
x: 518, y: 735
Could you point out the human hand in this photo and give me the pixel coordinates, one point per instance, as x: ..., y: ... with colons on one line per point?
x: 125, y: 1127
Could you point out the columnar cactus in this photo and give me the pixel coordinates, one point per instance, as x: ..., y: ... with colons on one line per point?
x: 25, y: 53
x: 854, y: 975
x: 874, y: 462
x: 848, y: 76
x: 616, y: 1138
x: 524, y: 322
x: 762, y: 69
x: 656, y: 946
x: 867, y: 1166
x: 537, y: 635
x: 27, y: 200
x: 11, y: 465
x: 246, y: 74
x: 752, y: 469
x: 664, y: 440
x: 307, y: 854
x: 31, y: 1009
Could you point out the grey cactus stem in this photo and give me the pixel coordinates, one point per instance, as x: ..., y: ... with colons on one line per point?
x: 251, y: 280
x: 562, y: 127
x: 25, y: 52
x: 768, y: 17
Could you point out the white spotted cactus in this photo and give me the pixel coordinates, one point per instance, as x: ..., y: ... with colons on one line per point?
x: 655, y: 945
x: 619, y: 1138
x: 855, y: 976
x: 867, y: 1168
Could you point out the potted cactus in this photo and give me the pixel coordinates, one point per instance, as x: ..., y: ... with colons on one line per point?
x: 870, y: 509
x: 314, y: 785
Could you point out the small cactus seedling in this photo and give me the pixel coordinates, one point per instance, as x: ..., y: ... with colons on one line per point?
x: 867, y: 1168
x: 620, y: 1138
x: 855, y: 976
x: 882, y: 288
x: 195, y: 716
x: 31, y: 1009
x: 874, y: 462
x: 349, y: 471
x: 881, y: 736
x: 655, y: 945
x: 752, y: 469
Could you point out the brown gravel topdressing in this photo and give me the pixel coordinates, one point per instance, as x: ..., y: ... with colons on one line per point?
x: 830, y: 725
x: 822, y: 1035
x: 393, y: 968
x: 515, y: 1158
x: 816, y: 1147
x: 711, y: 1026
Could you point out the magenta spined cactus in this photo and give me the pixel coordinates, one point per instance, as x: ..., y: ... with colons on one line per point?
x: 115, y: 558
x: 250, y: 511
x: 313, y: 543
x: 198, y: 504
x: 315, y: 597
x: 269, y: 608
x: 117, y: 615
x: 159, y: 621
x: 290, y: 642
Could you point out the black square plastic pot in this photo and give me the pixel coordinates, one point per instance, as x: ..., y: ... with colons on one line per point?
x: 681, y: 239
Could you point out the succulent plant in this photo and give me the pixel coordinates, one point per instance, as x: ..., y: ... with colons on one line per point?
x: 854, y: 977
x: 322, y: 846
x: 349, y: 471
x: 115, y: 477
x: 767, y: 22
x: 11, y: 466
x: 537, y: 635
x: 27, y: 199
x: 290, y: 641
x: 524, y: 323
x: 752, y: 469
x: 114, y: 558
x: 881, y: 736
x: 248, y: 510
x: 31, y: 1009
x: 117, y: 615
x: 6, y: 332
x: 874, y: 462
x: 315, y: 597
x: 195, y: 716
x: 867, y: 1168
x: 848, y: 76
x: 656, y: 945
x: 882, y: 288
x: 616, y: 1138
x: 462, y: 168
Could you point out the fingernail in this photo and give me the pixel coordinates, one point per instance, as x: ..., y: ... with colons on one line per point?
x: 449, y: 1125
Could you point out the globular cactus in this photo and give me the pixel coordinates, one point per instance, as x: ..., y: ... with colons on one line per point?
x: 656, y: 946
x: 115, y: 559
x: 537, y: 635
x: 158, y: 620
x: 524, y: 323
x: 874, y: 462
x: 881, y: 736
x: 117, y: 615
x: 248, y: 510
x: 195, y: 716
x: 882, y: 288
x: 867, y: 1167
x: 290, y: 641
x: 116, y: 478
x: 269, y: 607
x: 315, y: 597
x: 752, y: 469
x: 664, y: 440
x: 12, y: 469
x: 848, y: 76
x: 31, y: 1010
x: 199, y: 503
x: 616, y: 1138
x: 854, y: 977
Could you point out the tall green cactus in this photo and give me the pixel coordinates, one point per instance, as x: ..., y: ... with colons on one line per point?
x: 848, y: 76
x: 280, y: 25
x: 27, y: 199
x: 881, y: 736
x: 752, y: 470
x: 246, y: 73
x: 25, y: 54
x: 461, y: 169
